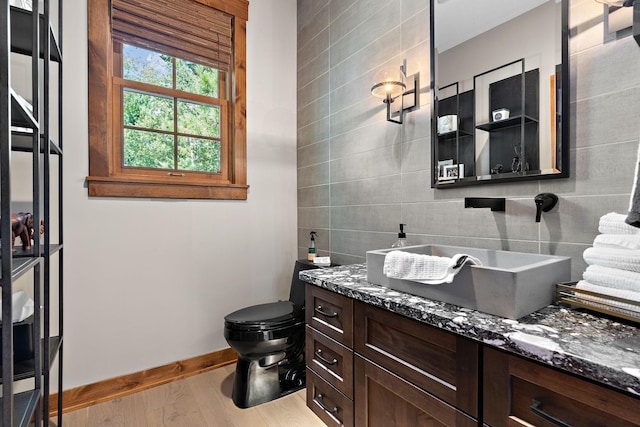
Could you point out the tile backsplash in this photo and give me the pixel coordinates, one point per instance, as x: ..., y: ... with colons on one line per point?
x: 360, y: 176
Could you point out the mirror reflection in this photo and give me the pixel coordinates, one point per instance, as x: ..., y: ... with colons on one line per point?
x: 498, y: 90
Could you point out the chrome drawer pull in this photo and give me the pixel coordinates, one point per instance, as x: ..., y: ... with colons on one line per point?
x: 536, y: 408
x: 326, y: 361
x: 324, y: 313
x: 318, y: 400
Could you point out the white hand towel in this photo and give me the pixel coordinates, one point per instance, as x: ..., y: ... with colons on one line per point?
x: 612, y: 278
x: 619, y: 306
x: 21, y: 306
x: 427, y: 269
x: 617, y: 241
x: 614, y: 223
x: 624, y: 259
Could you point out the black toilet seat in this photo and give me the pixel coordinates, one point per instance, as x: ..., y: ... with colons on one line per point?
x: 261, y: 317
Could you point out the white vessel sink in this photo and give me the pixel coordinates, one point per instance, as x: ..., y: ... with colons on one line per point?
x: 508, y: 284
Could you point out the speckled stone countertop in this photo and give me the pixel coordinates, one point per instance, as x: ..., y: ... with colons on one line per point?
x: 596, y: 348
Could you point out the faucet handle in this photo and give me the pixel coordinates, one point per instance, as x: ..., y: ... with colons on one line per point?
x: 544, y: 203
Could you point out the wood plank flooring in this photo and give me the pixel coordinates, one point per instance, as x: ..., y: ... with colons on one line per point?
x: 202, y: 400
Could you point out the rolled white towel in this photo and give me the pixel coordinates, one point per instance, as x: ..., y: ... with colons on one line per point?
x: 598, y: 301
x: 614, y: 223
x: 612, y: 278
x: 617, y: 241
x: 427, y: 269
x: 624, y: 259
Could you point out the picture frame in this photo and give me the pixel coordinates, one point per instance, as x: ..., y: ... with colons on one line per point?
x: 441, y: 165
x: 451, y: 172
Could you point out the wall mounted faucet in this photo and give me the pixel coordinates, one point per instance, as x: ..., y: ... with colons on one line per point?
x: 495, y: 203
x: 544, y: 203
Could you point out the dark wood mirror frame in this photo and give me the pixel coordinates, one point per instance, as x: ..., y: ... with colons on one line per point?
x: 444, y: 176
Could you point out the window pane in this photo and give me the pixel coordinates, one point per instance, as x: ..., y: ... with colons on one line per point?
x: 198, y: 119
x: 148, y: 149
x: 196, y: 154
x: 196, y: 78
x: 147, y: 111
x: 146, y: 66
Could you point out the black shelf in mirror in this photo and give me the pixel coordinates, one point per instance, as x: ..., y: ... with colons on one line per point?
x: 454, y: 134
x: 506, y: 123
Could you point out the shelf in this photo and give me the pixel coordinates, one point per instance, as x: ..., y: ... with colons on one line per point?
x: 447, y: 182
x: 22, y: 265
x: 21, y: 112
x: 21, y: 253
x: 506, y: 123
x: 24, y: 405
x: 26, y: 368
x: 22, y: 140
x: 454, y: 134
x: 31, y: 132
x: 22, y: 32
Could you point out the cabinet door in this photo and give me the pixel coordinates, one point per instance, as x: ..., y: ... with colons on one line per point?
x: 330, y: 313
x: 520, y: 392
x: 331, y: 406
x: 330, y: 360
x: 437, y: 361
x: 384, y: 399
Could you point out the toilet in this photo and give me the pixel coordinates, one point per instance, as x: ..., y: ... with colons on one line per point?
x: 269, y: 340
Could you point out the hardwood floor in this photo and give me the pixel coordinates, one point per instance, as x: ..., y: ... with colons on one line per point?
x: 202, y: 400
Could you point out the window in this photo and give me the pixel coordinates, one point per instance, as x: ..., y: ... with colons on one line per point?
x: 165, y: 118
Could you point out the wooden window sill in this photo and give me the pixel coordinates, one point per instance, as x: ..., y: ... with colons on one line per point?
x: 115, y: 187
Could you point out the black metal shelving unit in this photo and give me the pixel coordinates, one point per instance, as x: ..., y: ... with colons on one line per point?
x: 27, y: 127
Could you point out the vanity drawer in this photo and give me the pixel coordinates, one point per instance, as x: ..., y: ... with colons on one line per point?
x: 330, y: 360
x: 331, y: 406
x: 330, y: 313
x: 437, y: 361
x: 521, y: 392
x: 384, y: 399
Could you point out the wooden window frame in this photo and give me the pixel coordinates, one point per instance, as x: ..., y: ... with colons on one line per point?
x: 107, y: 177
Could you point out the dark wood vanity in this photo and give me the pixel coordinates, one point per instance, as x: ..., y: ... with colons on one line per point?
x: 368, y: 366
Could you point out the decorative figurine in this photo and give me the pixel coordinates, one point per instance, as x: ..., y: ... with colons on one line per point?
x: 22, y: 226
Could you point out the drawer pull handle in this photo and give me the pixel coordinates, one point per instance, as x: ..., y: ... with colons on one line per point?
x: 318, y: 400
x: 324, y: 313
x: 536, y: 408
x: 326, y: 361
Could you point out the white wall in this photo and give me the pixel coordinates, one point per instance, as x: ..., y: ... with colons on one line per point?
x: 148, y: 282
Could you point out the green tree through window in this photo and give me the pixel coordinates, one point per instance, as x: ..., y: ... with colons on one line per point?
x: 164, y: 130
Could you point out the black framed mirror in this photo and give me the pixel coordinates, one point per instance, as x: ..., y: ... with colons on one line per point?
x: 500, y: 91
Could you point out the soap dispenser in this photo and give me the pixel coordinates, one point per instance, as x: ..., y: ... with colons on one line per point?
x: 402, y: 238
x: 311, y: 255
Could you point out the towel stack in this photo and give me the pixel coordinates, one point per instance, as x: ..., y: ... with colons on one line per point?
x: 613, y: 265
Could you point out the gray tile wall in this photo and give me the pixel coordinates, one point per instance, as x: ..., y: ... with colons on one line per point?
x: 360, y: 176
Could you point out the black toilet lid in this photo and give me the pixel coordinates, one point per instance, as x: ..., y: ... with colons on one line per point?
x: 273, y: 314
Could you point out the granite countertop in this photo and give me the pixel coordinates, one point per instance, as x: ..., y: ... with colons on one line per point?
x: 597, y: 348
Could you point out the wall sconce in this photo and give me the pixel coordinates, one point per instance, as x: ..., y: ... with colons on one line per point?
x: 391, y: 87
x: 613, y: 4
